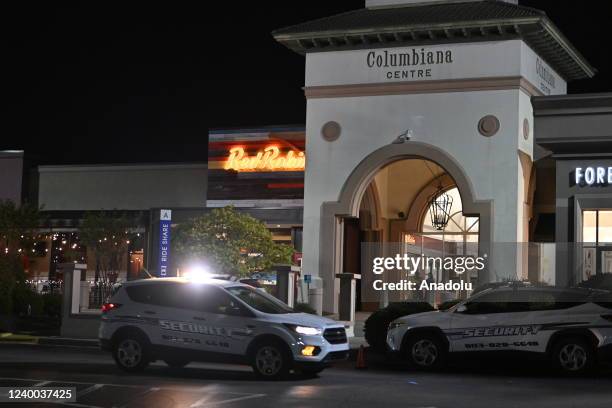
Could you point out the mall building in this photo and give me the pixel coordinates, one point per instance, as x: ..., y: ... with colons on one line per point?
x: 443, y: 127
x: 433, y: 127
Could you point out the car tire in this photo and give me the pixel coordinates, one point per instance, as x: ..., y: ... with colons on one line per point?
x: 176, y: 363
x: 425, y: 351
x: 131, y: 352
x: 573, y: 356
x: 271, y: 360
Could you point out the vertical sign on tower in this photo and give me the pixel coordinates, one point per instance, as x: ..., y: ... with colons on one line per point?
x: 165, y: 219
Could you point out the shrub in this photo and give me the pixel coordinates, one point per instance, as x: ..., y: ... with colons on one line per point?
x: 11, y: 271
x: 304, y: 308
x: 26, y: 302
x: 601, y: 281
x: 377, y: 324
x: 52, y: 305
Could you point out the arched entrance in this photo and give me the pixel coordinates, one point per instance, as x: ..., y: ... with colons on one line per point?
x: 335, y: 215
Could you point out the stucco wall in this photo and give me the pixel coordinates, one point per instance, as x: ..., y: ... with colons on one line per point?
x: 450, y: 122
x: 64, y: 188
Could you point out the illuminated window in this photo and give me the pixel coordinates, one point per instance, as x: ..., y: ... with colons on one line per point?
x: 459, y: 228
x: 597, y: 240
x: 458, y: 238
x: 597, y: 227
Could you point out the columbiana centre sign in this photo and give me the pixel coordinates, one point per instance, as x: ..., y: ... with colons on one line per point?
x: 413, y: 63
x: 481, y: 60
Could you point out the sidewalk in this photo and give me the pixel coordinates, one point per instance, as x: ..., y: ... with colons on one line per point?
x: 10, y: 338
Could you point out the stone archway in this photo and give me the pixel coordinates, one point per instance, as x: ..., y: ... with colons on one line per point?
x: 354, y: 188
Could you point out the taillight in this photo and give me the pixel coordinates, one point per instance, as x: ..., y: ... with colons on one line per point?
x: 607, y: 317
x: 106, y: 307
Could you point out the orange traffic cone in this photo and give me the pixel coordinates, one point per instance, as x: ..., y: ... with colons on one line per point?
x: 361, y: 359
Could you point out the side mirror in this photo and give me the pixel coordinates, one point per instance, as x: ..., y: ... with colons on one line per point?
x: 461, y: 309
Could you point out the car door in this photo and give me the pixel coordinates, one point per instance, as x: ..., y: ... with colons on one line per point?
x: 474, y: 327
x: 225, y: 325
x: 178, y: 316
x: 552, y: 310
x: 514, y: 326
x: 149, y: 310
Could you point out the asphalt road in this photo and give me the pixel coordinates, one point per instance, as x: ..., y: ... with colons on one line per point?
x: 483, y: 384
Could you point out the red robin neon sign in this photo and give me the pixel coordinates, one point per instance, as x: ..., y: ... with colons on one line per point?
x: 268, y: 159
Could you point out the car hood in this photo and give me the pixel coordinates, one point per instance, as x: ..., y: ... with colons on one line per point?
x: 303, y: 319
x: 425, y: 319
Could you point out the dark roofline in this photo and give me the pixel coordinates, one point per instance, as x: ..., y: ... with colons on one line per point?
x: 577, y: 104
x: 535, y: 28
x: 259, y: 129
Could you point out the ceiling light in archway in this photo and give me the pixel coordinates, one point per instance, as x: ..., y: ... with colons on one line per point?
x: 440, y: 206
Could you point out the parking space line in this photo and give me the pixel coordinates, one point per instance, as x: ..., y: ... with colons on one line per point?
x: 202, y: 402
x: 139, y: 395
x: 41, y: 384
x: 73, y: 382
x: 76, y: 404
x: 89, y: 389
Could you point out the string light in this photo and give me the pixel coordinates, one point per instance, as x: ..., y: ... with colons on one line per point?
x: 62, y: 242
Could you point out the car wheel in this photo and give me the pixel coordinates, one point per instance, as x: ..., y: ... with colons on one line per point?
x: 573, y: 355
x: 425, y: 351
x: 176, y: 363
x: 271, y: 360
x: 131, y: 353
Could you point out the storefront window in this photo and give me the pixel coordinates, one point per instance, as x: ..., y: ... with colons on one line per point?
x: 605, y: 228
x: 597, y: 243
x: 597, y: 227
x: 589, y: 226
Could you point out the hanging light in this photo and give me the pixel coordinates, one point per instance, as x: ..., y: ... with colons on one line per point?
x: 440, y: 206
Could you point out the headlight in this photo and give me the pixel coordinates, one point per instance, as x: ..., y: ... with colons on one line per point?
x: 395, y: 325
x: 305, y: 330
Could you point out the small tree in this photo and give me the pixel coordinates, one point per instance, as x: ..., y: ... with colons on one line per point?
x: 17, y: 224
x: 106, y: 235
x: 233, y: 242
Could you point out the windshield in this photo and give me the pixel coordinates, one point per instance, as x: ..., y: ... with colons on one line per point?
x: 259, y: 300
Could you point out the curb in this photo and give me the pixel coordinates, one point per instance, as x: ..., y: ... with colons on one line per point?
x: 65, y: 341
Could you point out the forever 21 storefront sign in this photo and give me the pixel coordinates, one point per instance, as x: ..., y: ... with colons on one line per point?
x: 410, y: 64
x: 593, y: 176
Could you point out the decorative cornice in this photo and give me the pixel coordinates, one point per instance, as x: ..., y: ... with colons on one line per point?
x: 422, y: 87
x: 497, y: 21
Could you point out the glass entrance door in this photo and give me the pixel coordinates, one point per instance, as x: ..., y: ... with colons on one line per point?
x: 605, y: 260
x: 596, y: 242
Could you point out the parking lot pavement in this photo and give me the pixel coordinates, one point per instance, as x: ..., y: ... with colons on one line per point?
x: 100, y: 384
x: 129, y: 395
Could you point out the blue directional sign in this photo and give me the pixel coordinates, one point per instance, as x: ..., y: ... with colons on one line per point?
x: 165, y: 221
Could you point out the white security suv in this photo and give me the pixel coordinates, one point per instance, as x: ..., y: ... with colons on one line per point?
x: 179, y: 321
x: 573, y: 327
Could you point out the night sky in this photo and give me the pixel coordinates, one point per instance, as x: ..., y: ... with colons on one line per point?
x: 103, y: 82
